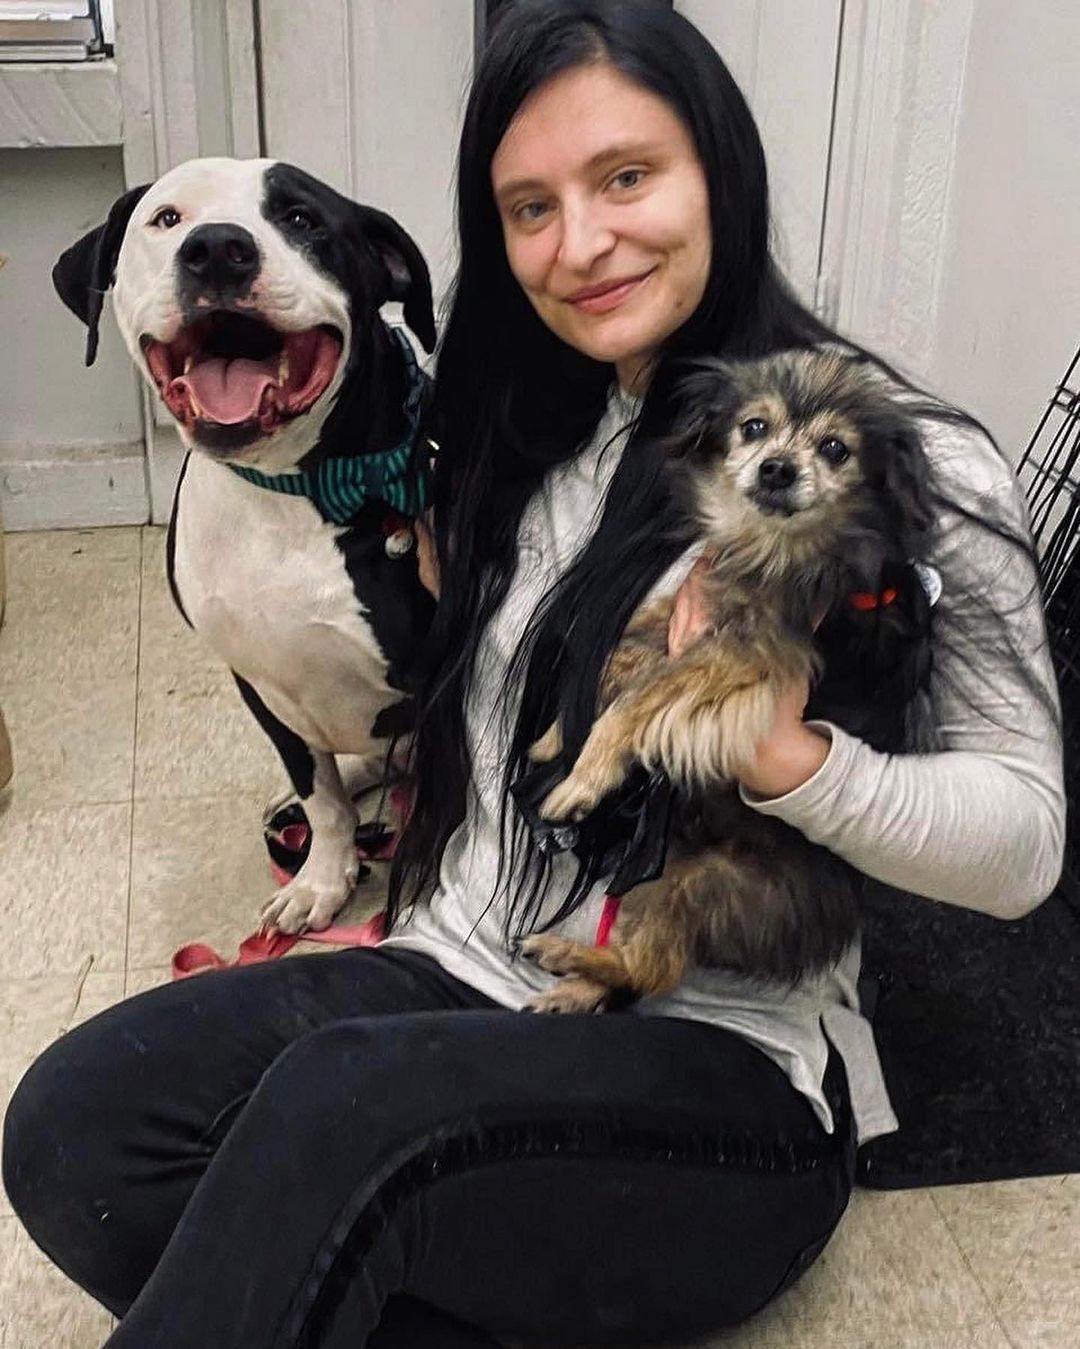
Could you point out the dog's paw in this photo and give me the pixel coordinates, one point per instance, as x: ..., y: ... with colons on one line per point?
x: 573, y: 799
x: 552, y: 953
x: 548, y: 747
x: 299, y: 907
x: 570, y: 996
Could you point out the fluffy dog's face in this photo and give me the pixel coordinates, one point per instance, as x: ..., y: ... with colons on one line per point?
x: 788, y: 456
x: 244, y: 290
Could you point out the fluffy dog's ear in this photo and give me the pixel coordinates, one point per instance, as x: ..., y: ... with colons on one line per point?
x: 907, y: 485
x: 700, y: 400
x: 86, y: 270
x: 408, y: 277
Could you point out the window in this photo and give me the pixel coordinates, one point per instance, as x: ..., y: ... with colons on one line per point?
x: 55, y: 30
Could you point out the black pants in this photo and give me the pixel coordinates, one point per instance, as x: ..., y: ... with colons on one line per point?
x: 357, y: 1149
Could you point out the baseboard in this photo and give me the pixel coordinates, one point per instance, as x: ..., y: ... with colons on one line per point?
x: 164, y: 462
x: 73, y: 486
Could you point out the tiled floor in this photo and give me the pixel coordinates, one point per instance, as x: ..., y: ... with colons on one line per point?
x: 134, y: 828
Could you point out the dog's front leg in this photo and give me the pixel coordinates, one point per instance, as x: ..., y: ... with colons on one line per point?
x: 323, y: 883
x: 601, y: 766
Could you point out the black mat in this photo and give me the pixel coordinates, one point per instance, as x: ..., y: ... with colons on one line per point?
x: 978, y: 1027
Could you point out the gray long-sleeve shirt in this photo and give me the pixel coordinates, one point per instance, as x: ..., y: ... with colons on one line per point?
x: 979, y: 823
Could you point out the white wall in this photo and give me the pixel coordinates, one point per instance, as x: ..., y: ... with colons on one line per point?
x: 1008, y: 316
x: 954, y: 197
x: 60, y: 419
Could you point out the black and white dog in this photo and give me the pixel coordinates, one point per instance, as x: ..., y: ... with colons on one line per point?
x: 248, y: 294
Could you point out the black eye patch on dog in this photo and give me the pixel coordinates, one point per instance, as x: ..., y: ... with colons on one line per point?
x: 364, y: 250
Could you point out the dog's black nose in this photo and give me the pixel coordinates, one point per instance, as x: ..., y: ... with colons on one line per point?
x: 219, y: 256
x: 776, y: 474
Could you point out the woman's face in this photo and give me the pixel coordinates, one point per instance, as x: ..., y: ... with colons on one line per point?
x: 605, y: 214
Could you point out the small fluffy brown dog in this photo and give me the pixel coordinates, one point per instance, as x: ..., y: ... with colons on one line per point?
x: 811, y: 486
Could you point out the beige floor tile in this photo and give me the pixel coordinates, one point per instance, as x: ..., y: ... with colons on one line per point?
x: 65, y: 889
x: 73, y: 605
x: 184, y: 888
x: 891, y: 1278
x: 993, y: 1224
x: 39, y: 1307
x: 1040, y: 1306
x: 199, y: 872
x: 73, y: 741
x: 139, y: 980
x: 195, y: 737
x: 33, y: 1012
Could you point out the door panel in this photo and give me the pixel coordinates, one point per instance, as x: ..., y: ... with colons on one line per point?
x: 369, y: 97
x: 783, y: 56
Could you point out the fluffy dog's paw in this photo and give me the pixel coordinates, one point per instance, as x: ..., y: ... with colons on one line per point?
x: 549, y: 952
x: 570, y: 996
x: 573, y: 799
x: 548, y: 747
x: 299, y: 907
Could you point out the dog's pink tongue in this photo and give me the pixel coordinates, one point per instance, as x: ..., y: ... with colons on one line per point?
x: 228, y: 391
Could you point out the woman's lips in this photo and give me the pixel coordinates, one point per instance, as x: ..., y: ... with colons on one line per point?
x: 603, y: 298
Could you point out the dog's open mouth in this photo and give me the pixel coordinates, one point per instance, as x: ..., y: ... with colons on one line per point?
x: 235, y: 370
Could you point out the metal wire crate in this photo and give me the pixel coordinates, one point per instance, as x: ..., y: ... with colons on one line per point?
x: 1048, y: 472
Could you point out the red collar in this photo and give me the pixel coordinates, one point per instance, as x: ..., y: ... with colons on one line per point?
x: 865, y: 600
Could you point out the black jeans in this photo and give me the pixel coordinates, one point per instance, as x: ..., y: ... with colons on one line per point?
x: 358, y: 1149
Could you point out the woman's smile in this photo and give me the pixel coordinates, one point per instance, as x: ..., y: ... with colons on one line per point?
x: 608, y: 295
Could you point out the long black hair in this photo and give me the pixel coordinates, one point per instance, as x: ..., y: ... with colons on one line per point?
x: 512, y: 401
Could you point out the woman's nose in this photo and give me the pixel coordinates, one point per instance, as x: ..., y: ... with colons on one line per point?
x: 585, y: 238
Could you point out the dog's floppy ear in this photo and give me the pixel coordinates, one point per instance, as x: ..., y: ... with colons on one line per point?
x: 86, y: 270
x: 907, y: 484
x: 699, y: 400
x: 409, y: 278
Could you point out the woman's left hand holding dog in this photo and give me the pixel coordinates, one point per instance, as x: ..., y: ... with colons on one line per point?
x: 792, y: 752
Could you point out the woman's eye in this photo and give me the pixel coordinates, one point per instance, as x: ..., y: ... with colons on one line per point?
x: 166, y: 218
x: 628, y: 178
x: 834, y: 451
x: 754, y: 428
x: 529, y: 212
x: 300, y: 218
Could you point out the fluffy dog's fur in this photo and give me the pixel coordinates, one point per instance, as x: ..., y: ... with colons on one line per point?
x: 812, y: 489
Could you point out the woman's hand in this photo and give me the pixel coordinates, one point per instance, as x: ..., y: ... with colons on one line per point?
x: 792, y: 752
x: 427, y: 556
x: 689, y: 618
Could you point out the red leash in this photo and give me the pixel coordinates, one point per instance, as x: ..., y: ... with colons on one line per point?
x: 262, y: 946
x: 197, y: 957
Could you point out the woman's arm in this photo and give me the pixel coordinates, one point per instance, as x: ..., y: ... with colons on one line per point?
x: 427, y: 555
x: 981, y: 823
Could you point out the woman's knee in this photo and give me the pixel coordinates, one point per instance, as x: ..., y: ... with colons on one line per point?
x: 63, y: 1163
x: 43, y: 1118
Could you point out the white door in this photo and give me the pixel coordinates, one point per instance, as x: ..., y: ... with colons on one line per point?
x: 783, y: 55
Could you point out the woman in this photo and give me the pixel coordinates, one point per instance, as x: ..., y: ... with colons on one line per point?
x: 373, y: 1147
